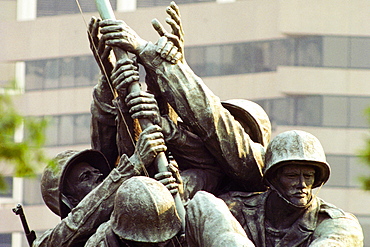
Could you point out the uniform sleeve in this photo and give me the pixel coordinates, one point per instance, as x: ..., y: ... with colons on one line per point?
x: 210, y: 223
x: 199, y: 108
x: 343, y: 231
x: 92, y: 211
x: 103, y: 122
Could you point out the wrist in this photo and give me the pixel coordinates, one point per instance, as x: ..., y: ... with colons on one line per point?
x: 136, y: 163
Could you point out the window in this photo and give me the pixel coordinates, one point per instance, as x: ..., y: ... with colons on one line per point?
x: 32, y: 192
x: 335, y: 111
x: 360, y: 52
x: 152, y: 3
x: 318, y: 110
x: 65, y: 130
x: 57, y: 7
x: 213, y: 60
x: 308, y: 110
x: 309, y: 51
x: 282, y: 111
x: 68, y: 130
x: 357, y: 106
x: 357, y: 169
x: 5, y: 240
x: 335, y: 51
x: 339, y: 170
x: 195, y: 56
x: 61, y: 73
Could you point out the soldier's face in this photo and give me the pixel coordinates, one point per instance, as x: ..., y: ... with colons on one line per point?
x: 296, y: 182
x: 83, y: 178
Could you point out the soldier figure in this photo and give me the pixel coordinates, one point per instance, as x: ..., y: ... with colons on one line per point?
x: 144, y: 213
x: 80, y: 188
x: 288, y: 213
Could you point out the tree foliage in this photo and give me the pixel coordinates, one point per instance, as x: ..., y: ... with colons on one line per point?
x: 27, y: 154
x: 365, y: 155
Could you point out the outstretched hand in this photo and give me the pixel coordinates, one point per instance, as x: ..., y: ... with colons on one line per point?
x: 171, y: 45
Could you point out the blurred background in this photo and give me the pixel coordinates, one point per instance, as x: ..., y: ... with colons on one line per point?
x: 307, y: 63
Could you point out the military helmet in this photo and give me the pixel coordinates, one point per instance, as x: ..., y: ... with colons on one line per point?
x: 251, y: 116
x: 144, y: 211
x: 298, y: 147
x: 55, y: 173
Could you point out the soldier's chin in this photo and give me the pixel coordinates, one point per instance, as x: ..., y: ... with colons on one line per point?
x: 299, y: 201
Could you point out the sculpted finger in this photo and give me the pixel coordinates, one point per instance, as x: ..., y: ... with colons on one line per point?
x: 176, y: 8
x: 174, y: 16
x: 161, y: 43
x: 171, y: 54
x: 162, y: 175
x: 110, y: 22
x: 152, y: 129
x: 122, y: 67
x: 176, y: 58
x: 127, y: 82
x: 158, y: 27
x: 166, y: 49
x: 174, y: 39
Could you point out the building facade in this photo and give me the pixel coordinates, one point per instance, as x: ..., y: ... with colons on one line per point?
x: 306, y: 62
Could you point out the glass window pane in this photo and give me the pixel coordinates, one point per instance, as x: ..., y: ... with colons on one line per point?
x: 83, y: 71
x: 339, y: 171
x: 309, y: 51
x: 93, y: 70
x: 357, y: 116
x: 335, y: 51
x: 262, y: 52
x: 357, y: 169
x: 309, y: 110
x: 51, y: 132
x: 360, y: 52
x: 335, y: 111
x: 195, y: 56
x: 82, y: 129
x: 32, y: 192
x: 57, y: 7
x: 66, y: 133
x: 283, y: 52
x: 282, y: 111
x: 67, y: 69
x: 35, y: 74
x: 51, y: 74
x: 5, y: 240
x: 243, y: 58
x: 228, y: 61
x: 213, y: 60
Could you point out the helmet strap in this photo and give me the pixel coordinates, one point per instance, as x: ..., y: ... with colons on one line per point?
x: 66, y: 201
x: 290, y: 203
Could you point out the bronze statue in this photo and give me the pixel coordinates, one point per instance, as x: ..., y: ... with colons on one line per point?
x: 274, y: 204
x: 87, y: 202
x: 202, y: 163
x: 289, y: 213
x: 144, y: 212
x: 277, y: 217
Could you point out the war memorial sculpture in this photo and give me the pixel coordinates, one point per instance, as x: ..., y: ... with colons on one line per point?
x: 219, y: 180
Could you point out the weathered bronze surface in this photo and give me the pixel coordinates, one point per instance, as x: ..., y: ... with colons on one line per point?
x: 216, y: 149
